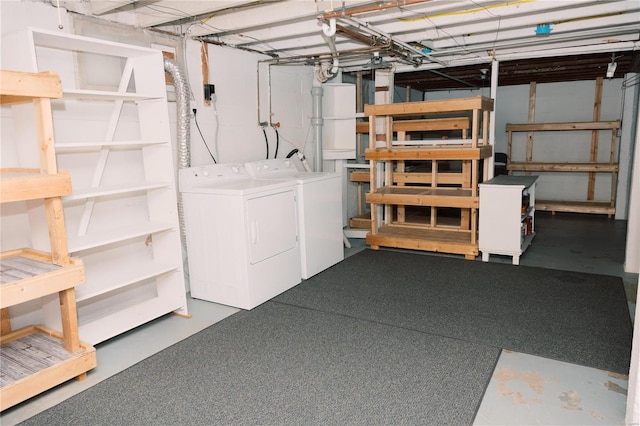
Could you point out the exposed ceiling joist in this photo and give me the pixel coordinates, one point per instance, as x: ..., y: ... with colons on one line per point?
x: 414, y: 34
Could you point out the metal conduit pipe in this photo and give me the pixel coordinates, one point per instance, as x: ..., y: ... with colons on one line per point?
x: 183, y: 129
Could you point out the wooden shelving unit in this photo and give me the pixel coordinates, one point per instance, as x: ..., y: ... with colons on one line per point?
x: 36, y: 358
x: 440, y: 127
x: 588, y: 205
x: 412, y: 194
x: 113, y: 136
x: 587, y: 161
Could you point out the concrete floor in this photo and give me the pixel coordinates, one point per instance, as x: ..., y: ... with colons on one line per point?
x: 523, y: 390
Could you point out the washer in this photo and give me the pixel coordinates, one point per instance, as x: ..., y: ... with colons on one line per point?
x: 319, y: 212
x: 241, y: 235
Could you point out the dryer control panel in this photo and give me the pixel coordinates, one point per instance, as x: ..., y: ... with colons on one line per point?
x: 210, y: 173
x: 275, y: 166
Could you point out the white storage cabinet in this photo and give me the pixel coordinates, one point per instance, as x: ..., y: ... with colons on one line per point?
x: 507, y: 223
x: 113, y: 136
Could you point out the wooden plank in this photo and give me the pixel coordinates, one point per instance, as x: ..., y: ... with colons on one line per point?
x: 576, y: 206
x: 531, y: 119
x: 57, y: 231
x: 429, y: 153
x: 565, y: 126
x: 447, y: 178
x: 30, y: 184
x: 436, y: 240
x: 423, y: 125
x: 5, y: 321
x: 41, y: 284
x: 593, y: 154
x: 424, y: 196
x: 562, y: 167
x: 69, y: 319
x: 17, y: 86
x: 434, y: 106
x: 362, y: 221
x: 359, y: 176
x: 204, y: 61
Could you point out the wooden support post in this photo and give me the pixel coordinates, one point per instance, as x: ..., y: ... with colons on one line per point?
x: 531, y: 119
x: 204, y: 58
x: 595, y: 134
x: 69, y: 318
x: 400, y: 210
x: 5, y: 322
x: 614, y: 175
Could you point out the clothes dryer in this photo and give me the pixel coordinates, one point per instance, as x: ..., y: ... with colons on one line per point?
x: 319, y: 207
x: 241, y: 235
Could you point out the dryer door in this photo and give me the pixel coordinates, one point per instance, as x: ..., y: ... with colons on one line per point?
x: 272, y: 225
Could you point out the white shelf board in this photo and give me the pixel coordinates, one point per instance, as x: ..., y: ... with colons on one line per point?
x: 102, y: 95
x: 66, y: 42
x: 114, y: 190
x: 110, y: 280
x: 85, y: 242
x: 89, y: 146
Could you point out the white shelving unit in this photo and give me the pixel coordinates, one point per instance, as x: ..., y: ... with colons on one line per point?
x: 507, y: 210
x: 113, y: 136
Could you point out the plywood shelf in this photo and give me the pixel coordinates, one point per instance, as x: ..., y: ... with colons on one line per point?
x: 576, y: 206
x: 415, y: 238
x: 562, y: 167
x: 20, y: 184
x: 559, y: 127
x: 28, y: 274
x: 430, y: 107
x: 424, y: 196
x: 422, y: 125
x: 440, y: 152
x: 34, y: 360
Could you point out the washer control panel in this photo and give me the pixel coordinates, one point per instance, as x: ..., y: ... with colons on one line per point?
x: 277, y: 166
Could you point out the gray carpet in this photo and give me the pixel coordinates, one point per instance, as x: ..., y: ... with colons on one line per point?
x: 284, y: 365
x: 382, y: 338
x: 569, y: 316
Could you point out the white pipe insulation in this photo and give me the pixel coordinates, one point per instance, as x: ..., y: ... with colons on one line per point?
x: 183, y: 127
x: 317, y: 122
x: 323, y: 71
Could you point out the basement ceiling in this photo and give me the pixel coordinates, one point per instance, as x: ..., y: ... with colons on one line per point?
x: 432, y: 44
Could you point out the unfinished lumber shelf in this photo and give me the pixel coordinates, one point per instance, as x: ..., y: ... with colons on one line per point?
x: 585, y: 137
x: 27, y: 274
x: 35, y: 358
x: 611, y: 167
x: 414, y: 189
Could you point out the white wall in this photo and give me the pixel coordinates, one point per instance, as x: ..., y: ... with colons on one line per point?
x: 557, y: 102
x: 238, y: 136
x: 230, y: 125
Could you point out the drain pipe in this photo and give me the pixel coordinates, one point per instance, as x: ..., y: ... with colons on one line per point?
x: 184, y: 129
x: 323, y: 71
x: 317, y: 122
